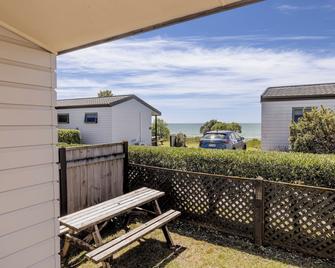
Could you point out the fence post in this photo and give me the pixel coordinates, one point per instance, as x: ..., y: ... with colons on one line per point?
x: 62, y: 181
x: 259, y: 212
x: 125, y: 168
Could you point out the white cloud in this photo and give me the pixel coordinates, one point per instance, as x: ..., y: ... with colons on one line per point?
x: 175, y: 67
x: 290, y: 8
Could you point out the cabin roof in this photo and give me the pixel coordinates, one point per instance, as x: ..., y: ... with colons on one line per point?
x: 101, y: 102
x: 299, y: 92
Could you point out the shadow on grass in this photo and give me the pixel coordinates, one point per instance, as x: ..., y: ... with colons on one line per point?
x: 149, y: 253
x: 145, y: 253
x: 225, y: 240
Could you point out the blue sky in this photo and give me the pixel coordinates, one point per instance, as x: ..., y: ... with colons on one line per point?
x: 212, y: 67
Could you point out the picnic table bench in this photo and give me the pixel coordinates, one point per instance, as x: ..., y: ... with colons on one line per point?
x: 89, y: 218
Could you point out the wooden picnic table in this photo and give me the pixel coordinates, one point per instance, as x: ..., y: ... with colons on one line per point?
x: 89, y: 219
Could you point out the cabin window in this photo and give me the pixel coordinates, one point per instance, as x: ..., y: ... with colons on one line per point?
x: 91, y: 118
x: 63, y: 118
x: 298, y: 112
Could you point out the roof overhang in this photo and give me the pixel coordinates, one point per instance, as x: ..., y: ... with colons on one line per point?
x: 65, y: 25
x: 154, y: 111
x: 298, y: 97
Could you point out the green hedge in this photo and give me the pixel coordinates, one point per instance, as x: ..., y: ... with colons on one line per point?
x: 69, y: 136
x: 311, y: 169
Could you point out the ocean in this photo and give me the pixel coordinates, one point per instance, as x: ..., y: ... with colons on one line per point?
x: 249, y: 130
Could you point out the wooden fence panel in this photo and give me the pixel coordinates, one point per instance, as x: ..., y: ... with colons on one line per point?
x: 287, y: 215
x: 93, y: 174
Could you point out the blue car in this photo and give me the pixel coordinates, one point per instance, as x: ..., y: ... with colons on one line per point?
x: 222, y: 139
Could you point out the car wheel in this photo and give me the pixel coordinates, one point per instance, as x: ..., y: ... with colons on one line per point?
x: 234, y: 148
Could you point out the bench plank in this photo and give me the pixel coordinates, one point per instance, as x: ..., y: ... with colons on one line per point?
x: 91, y: 216
x: 104, y: 252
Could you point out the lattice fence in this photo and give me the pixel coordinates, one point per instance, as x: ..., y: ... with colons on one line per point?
x: 300, y: 218
x: 219, y: 201
x: 281, y: 214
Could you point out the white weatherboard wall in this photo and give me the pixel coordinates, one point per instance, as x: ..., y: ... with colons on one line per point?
x: 128, y: 121
x: 276, y: 119
x: 28, y: 156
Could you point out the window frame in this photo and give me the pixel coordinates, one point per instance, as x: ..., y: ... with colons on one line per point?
x: 91, y: 113
x: 63, y: 114
x: 303, y: 109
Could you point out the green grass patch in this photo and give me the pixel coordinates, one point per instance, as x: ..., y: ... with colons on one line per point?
x: 199, y: 248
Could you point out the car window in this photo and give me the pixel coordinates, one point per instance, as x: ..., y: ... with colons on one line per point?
x: 212, y: 136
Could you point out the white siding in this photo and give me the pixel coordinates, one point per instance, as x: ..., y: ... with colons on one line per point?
x: 90, y: 133
x: 276, y: 118
x: 129, y: 121
x: 28, y: 156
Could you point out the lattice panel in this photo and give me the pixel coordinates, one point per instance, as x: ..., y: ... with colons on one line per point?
x: 226, y: 203
x: 301, y: 218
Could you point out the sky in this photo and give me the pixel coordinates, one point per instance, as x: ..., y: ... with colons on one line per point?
x: 215, y: 67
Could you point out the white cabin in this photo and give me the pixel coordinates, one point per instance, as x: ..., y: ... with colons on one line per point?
x: 108, y: 119
x: 281, y: 105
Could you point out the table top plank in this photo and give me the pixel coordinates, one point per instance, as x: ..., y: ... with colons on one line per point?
x: 106, y: 203
x: 88, y: 217
x: 107, y: 206
x: 115, y: 208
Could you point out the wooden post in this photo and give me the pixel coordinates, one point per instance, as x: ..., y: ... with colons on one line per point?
x: 125, y: 168
x: 259, y: 212
x: 62, y: 181
x: 156, y: 131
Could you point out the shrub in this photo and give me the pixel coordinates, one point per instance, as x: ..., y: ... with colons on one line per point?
x: 69, y: 136
x: 317, y: 170
x: 314, y: 132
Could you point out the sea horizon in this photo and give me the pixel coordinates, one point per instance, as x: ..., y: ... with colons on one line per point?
x: 249, y: 130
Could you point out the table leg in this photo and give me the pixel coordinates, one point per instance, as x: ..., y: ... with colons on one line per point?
x: 97, y: 236
x: 164, y: 228
x: 66, y: 247
x: 98, y: 241
x: 126, y: 222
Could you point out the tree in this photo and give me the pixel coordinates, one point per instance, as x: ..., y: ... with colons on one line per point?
x: 163, y: 131
x: 105, y: 93
x: 207, y: 126
x: 218, y: 125
x: 314, y: 132
x: 235, y: 127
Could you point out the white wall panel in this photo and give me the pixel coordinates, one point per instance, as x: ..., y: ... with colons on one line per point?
x: 29, y: 189
x: 276, y: 118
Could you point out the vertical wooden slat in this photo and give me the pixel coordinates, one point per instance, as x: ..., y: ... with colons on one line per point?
x: 125, y: 168
x: 259, y: 212
x: 63, y: 181
x: 93, y: 175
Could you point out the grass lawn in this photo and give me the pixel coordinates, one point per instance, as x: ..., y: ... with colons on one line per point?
x: 198, y: 247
